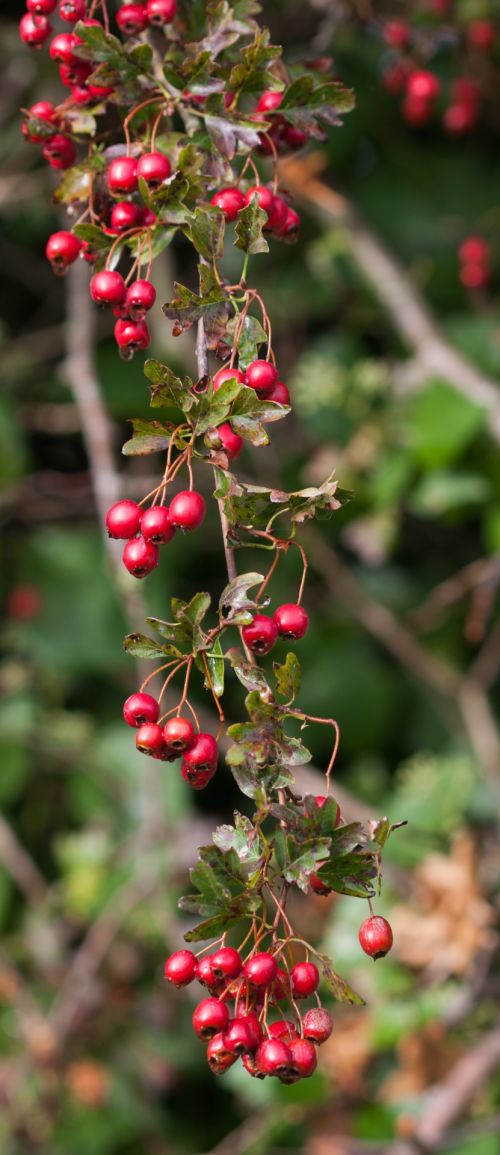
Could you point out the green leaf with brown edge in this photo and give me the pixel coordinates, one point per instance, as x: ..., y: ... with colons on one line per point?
x: 251, y: 336
x: 140, y: 646
x: 351, y: 873
x: 338, y: 987
x: 251, y: 73
x: 188, y: 308
x: 211, y: 409
x: 248, y: 228
x: 288, y: 677
x: 168, y: 390
x: 206, y: 232
x: 304, y: 96
x: 249, y: 413
x: 149, y: 437
x: 250, y: 676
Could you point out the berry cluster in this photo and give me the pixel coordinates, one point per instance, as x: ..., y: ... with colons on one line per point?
x: 474, y: 256
x: 169, y: 740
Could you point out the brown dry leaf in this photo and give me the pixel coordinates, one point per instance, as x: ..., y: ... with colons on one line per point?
x: 448, y: 920
x: 346, y: 1055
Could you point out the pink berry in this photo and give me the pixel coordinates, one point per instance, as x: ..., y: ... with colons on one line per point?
x: 156, y: 525
x: 149, y: 738
x: 273, y: 1057
x: 132, y: 19
x: 317, y: 1025
x: 61, y: 250
x: 210, y: 1017
x: 261, y: 635
x: 423, y: 85
x: 187, y: 509
x: 261, y: 375
x: 269, y: 101
x: 160, y: 12
x: 123, y: 519
x: 140, y: 557
x: 291, y: 620
x: 154, y: 168
x: 180, y: 968
x: 304, y: 978
x: 226, y: 963
x: 230, y: 200
x: 474, y: 251
x: 375, y: 936
x: 261, y: 970
x: 121, y: 175
x: 140, y: 708
x: 108, y: 287
x: 179, y: 733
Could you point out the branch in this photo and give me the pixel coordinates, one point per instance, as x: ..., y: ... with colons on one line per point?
x: 20, y: 866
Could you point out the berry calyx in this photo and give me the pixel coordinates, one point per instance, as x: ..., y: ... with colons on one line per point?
x: 140, y: 708
x: 149, y: 738
x: 210, y: 1017
x: 273, y: 1057
x: 108, y: 287
x: 317, y: 1025
x: 156, y: 525
x: 261, y: 635
x: 226, y: 963
x: 154, y: 168
x: 375, y: 936
x: 261, y: 970
x: 291, y: 620
x: 230, y: 200
x: 140, y: 557
x: 187, y: 509
x: 179, y: 734
x: 121, y: 175
x: 61, y: 250
x: 123, y: 519
x: 304, y: 977
x: 180, y: 968
x: 261, y: 375
x: 72, y: 10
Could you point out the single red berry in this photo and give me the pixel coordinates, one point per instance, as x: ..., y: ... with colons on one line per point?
x: 261, y: 970
x: 261, y: 635
x: 149, y: 738
x: 230, y: 200
x: 62, y: 48
x: 279, y: 394
x: 290, y: 230
x: 100, y: 91
x: 42, y: 110
x: 59, y: 151
x: 254, y: 1026
x: 81, y: 95
x: 140, y: 708
x: 72, y: 10
x: 263, y: 195
x: 218, y: 1057
x: 261, y: 375
x: 187, y: 509
x: 304, y: 977
x: 141, y: 296
x: 140, y: 557
x: 474, y: 276
x: 121, y: 175
x: 41, y: 7
x: 132, y: 335
x: 460, y: 118
x: 149, y: 218
x: 238, y: 1038
x: 210, y: 1017
x: 250, y: 1065
x: 278, y: 217
x: 132, y: 19
x: 108, y: 287
x: 394, y: 78
x: 397, y: 33
x: 156, y: 525
x: 124, y: 216
x: 154, y: 168
x: 415, y: 111
x: 226, y: 963
x: 285, y: 1030
x: 268, y: 101
x: 291, y: 620
x: 481, y: 34
x: 61, y: 250
x: 198, y: 780
x: 34, y: 31
x: 273, y: 1057
x: 123, y: 519
x: 474, y: 251
x: 200, y: 758
x: 160, y: 12
x: 24, y: 603
x: 317, y: 1025
x: 227, y: 374
x: 179, y: 733
x: 205, y: 974
x: 375, y: 936
x: 423, y: 85
x: 230, y: 441
x: 318, y: 886
x: 304, y: 1058
x: 294, y: 138
x: 75, y: 72
x: 180, y: 968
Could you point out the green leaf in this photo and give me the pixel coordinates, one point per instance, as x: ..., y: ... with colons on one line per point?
x: 300, y: 860
x: 251, y: 73
x: 243, y: 838
x: 249, y: 225
x: 351, y: 873
x: 441, y: 492
x: 211, y: 409
x: 222, y: 897
x: 188, y: 308
x: 288, y: 677
x: 216, y: 665
x: 206, y: 232
x: 168, y: 390
x: 140, y: 646
x: 441, y: 424
x: 325, y: 101
x: 248, y: 415
x: 251, y: 336
x: 338, y: 986
x: 149, y: 437
x: 235, y: 598
x: 250, y: 676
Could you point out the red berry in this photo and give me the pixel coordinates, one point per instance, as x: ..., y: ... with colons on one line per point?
x: 59, y: 151
x: 394, y: 78
x: 285, y: 1030
x: 205, y: 974
x: 375, y: 936
x: 273, y: 1057
x: 261, y: 375
x: 263, y: 195
x: 261, y: 970
x: 423, y: 85
x: 238, y: 1038
x: 218, y: 1057
x: 141, y: 296
x: 250, y: 1065
x: 149, y: 218
x: 179, y: 733
x: 154, y: 168
x: 199, y: 780
x: 294, y: 138
x: 227, y: 374
x: 210, y: 1017
x: 460, y: 118
x: 269, y: 101
x: 62, y: 48
x: 123, y: 519
x: 121, y: 175
x: 481, y: 34
x: 318, y: 886
x: 180, y: 968
x: 416, y: 111
x: 254, y: 1027
x: 304, y: 977
x: 42, y: 110
x: 40, y: 7
x: 34, y: 32
x: 76, y: 72
x: 200, y: 758
x: 304, y: 1058
x: 291, y: 620
x: 474, y: 251
x: 278, y: 217
x: 187, y: 509
x: 396, y: 33
x: 279, y: 394
x: 261, y: 635
x: 24, y: 603
x: 124, y: 216
x: 160, y: 12
x: 317, y: 1025
x: 140, y: 708
x: 156, y: 525
x: 132, y: 19
x: 231, y: 442
x: 61, y: 250
x: 474, y: 276
x: 108, y: 287
x: 226, y: 963
x: 72, y: 10
x: 149, y: 738
x: 132, y: 335
x: 140, y: 557
x: 230, y: 200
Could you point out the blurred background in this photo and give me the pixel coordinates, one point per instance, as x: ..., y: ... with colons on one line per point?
x: 393, y: 367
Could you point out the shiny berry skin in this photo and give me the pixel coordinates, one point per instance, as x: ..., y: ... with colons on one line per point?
x: 263, y: 195
x: 200, y: 758
x: 230, y: 441
x: 273, y: 1057
x: 291, y: 620
x: 481, y: 34
x: 279, y: 394
x: 123, y: 519
x: 238, y: 1038
x: 210, y: 1017
x: 140, y: 708
x: 269, y: 101
x: 60, y: 152
x: 474, y: 251
x: 304, y: 1057
x: 108, y: 287
x: 131, y: 19
x: 160, y: 12
x: 62, y: 48
x: 187, y: 509
x: 375, y: 936
x: 34, y: 32
x: 261, y: 375
x: 124, y: 216
x: 318, y: 886
x: 226, y: 963
x: 278, y: 217
x: 179, y: 733
x: 61, y: 250
x: 285, y: 1030
x: 154, y: 168
x: 141, y: 296
x: 149, y: 738
x: 180, y: 968
x: 140, y: 557
x: 131, y: 335
x: 156, y: 525
x: 41, y: 7
x: 149, y: 218
x: 121, y: 175
x: 227, y: 374
x: 205, y: 974
x: 72, y: 10
x: 198, y: 780
x: 317, y: 1025
x: 219, y: 1058
x: 423, y: 85
x: 261, y: 635
x: 230, y: 200
x: 261, y: 970
x: 304, y: 977
x: 254, y: 1026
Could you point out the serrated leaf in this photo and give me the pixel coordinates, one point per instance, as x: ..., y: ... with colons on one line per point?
x: 337, y: 985
x: 166, y: 389
x: 149, y: 437
x: 251, y: 335
x: 206, y: 232
x: 243, y: 838
x: 231, y: 134
x: 250, y: 676
x: 140, y: 646
x: 188, y: 308
x: 249, y: 225
x: 351, y: 873
x: 288, y: 677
